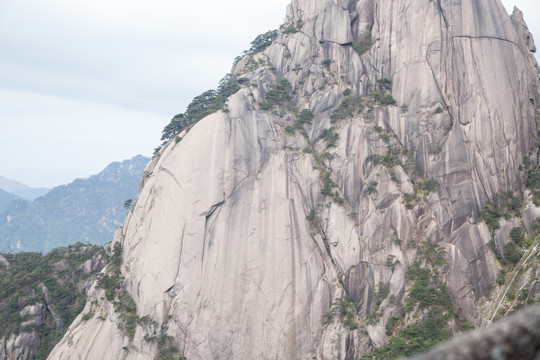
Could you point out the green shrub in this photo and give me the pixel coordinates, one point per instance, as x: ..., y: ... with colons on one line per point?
x: 279, y: 96
x: 293, y: 29
x: 126, y: 306
x: 305, y: 116
x: 384, y: 84
x: 535, y: 231
x: 414, y: 338
x: 431, y: 294
x: 384, y: 291
x: 532, y: 180
x: 111, y: 282
x: 523, y: 294
x: 328, y: 184
x: 127, y: 203
x: 504, y: 204
x: 517, y: 234
x: 491, y: 215
x: 425, y: 292
x: 311, y: 216
x: 385, y: 138
x: 167, y: 351
x: 387, y: 99
x: 526, y: 162
x: 116, y: 258
x: 511, y: 204
x: 347, y: 312
x: 330, y: 136
x: 428, y: 185
x: 389, y: 160
x: 410, y: 200
x: 512, y: 253
x: 327, y: 155
x: 290, y: 30
x: 349, y: 107
x: 281, y: 92
x: 363, y: 45
x: 337, y: 198
x: 492, y: 246
x: 261, y: 42
x: 372, y: 188
x: 391, y: 324
x: 432, y: 253
x: 289, y: 130
x: 203, y: 105
x: 264, y: 105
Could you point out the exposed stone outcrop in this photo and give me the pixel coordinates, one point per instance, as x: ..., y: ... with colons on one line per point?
x: 25, y: 344
x: 32, y: 288
x: 247, y: 234
x: 515, y: 337
x: 4, y: 262
x: 522, y: 30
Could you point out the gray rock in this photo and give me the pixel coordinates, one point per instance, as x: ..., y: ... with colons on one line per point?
x: 220, y: 250
x: 23, y: 346
x: 516, y: 337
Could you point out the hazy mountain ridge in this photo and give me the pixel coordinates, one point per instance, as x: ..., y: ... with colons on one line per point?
x: 86, y: 210
x: 5, y: 199
x: 19, y: 189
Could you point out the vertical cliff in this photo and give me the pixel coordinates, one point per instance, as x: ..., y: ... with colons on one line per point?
x: 352, y: 164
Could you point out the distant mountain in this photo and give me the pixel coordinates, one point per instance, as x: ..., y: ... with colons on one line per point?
x: 19, y: 189
x: 32, y: 193
x: 10, y: 185
x: 86, y: 210
x: 5, y: 199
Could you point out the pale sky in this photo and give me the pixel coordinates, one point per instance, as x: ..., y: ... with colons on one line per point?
x: 87, y: 82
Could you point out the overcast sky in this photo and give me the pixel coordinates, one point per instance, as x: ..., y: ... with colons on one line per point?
x: 84, y: 83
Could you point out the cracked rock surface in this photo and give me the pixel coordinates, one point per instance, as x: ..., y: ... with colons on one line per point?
x: 233, y: 250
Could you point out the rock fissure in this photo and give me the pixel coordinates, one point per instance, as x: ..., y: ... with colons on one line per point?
x: 486, y: 37
x: 213, y: 208
x: 438, y: 3
x: 176, y: 276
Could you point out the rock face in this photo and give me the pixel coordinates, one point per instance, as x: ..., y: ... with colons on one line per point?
x: 25, y: 344
x: 249, y: 232
x: 516, y: 337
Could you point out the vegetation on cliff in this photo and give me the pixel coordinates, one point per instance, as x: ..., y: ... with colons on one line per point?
x: 42, y: 294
